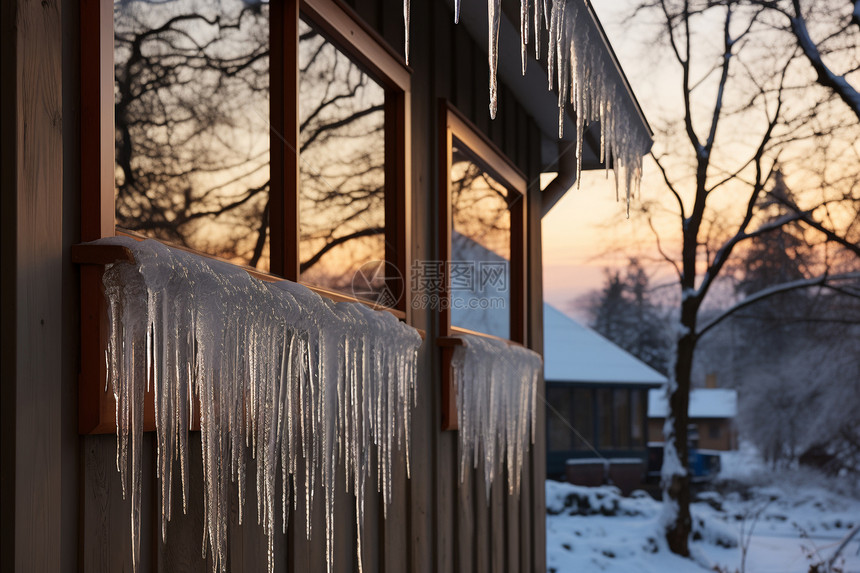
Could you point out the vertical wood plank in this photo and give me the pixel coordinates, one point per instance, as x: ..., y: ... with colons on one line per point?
x: 183, y: 550
x: 106, y: 516
x: 466, y: 533
x: 509, y: 137
x: 370, y: 549
x: 392, y: 23
x: 526, y: 561
x: 297, y: 544
x: 445, y: 506
x: 8, y: 284
x: 483, y: 563
x: 97, y: 107
x: 461, y: 62
x: 284, y: 138
x: 497, y: 522
x: 523, y: 148
x: 422, y: 511
x: 480, y: 104
x: 512, y: 531
x: 395, y: 531
x: 344, y: 524
x: 36, y: 123
x: 537, y: 456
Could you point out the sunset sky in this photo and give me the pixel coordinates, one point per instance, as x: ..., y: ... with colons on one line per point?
x: 582, y: 232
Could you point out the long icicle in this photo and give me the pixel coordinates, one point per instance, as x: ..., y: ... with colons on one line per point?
x: 278, y: 371
x: 578, y: 66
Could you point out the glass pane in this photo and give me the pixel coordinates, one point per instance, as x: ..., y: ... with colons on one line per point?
x: 622, y: 418
x: 604, y: 417
x: 583, y: 416
x: 638, y: 412
x: 559, y: 436
x: 480, y: 267
x: 342, y: 167
x: 192, y: 124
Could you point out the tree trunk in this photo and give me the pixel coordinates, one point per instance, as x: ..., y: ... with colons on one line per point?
x: 676, y: 477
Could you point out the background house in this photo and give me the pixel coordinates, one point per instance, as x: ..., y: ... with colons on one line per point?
x: 598, y: 389
x: 712, y: 412
x: 62, y: 500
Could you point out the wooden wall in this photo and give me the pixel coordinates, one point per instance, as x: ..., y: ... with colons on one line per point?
x: 38, y: 528
x: 68, y: 508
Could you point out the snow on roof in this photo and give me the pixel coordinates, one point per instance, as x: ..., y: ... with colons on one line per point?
x: 575, y: 353
x: 704, y: 403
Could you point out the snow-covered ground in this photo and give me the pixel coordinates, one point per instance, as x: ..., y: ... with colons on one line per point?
x: 798, y: 519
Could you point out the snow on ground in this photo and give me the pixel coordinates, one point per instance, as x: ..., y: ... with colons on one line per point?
x: 798, y: 518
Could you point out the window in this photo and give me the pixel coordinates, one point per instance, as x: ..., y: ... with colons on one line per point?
x: 639, y: 412
x: 621, y: 410
x: 482, y: 210
x: 271, y: 135
x: 341, y: 165
x: 715, y: 430
x: 207, y: 122
x: 191, y: 99
x: 583, y: 416
x: 606, y: 418
x: 559, y: 436
x: 482, y: 222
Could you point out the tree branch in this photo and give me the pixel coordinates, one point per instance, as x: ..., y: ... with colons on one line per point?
x: 669, y: 184
x: 339, y: 241
x: 826, y: 77
x: 806, y: 217
x: 820, y: 281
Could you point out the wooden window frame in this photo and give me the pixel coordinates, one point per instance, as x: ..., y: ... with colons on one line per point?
x: 454, y: 125
x: 97, y: 140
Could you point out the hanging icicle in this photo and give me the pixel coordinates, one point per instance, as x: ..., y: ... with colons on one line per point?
x: 496, y: 394
x: 277, y: 371
x: 578, y: 66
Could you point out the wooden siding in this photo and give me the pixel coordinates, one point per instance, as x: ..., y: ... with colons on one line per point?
x: 69, y: 512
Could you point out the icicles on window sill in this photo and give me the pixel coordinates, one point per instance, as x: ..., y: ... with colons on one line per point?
x: 277, y: 371
x: 496, y: 393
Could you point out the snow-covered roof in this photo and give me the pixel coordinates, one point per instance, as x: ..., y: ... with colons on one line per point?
x: 704, y: 403
x: 575, y: 353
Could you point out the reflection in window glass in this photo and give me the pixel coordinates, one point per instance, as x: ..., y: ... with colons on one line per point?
x: 480, y: 270
x: 192, y: 127
x: 583, y: 416
x: 342, y: 167
x: 559, y: 436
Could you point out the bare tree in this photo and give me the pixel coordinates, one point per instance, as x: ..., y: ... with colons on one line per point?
x: 623, y: 311
x: 749, y: 110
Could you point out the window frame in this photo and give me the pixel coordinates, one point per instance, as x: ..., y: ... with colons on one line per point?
x: 454, y: 125
x: 97, y: 166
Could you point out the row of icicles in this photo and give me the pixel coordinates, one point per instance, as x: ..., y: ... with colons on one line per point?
x: 304, y: 385
x: 579, y: 67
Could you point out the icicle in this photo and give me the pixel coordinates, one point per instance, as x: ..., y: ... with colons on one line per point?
x: 278, y: 372
x: 524, y: 32
x: 494, y: 20
x: 496, y: 386
x: 406, y: 18
x: 577, y: 65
